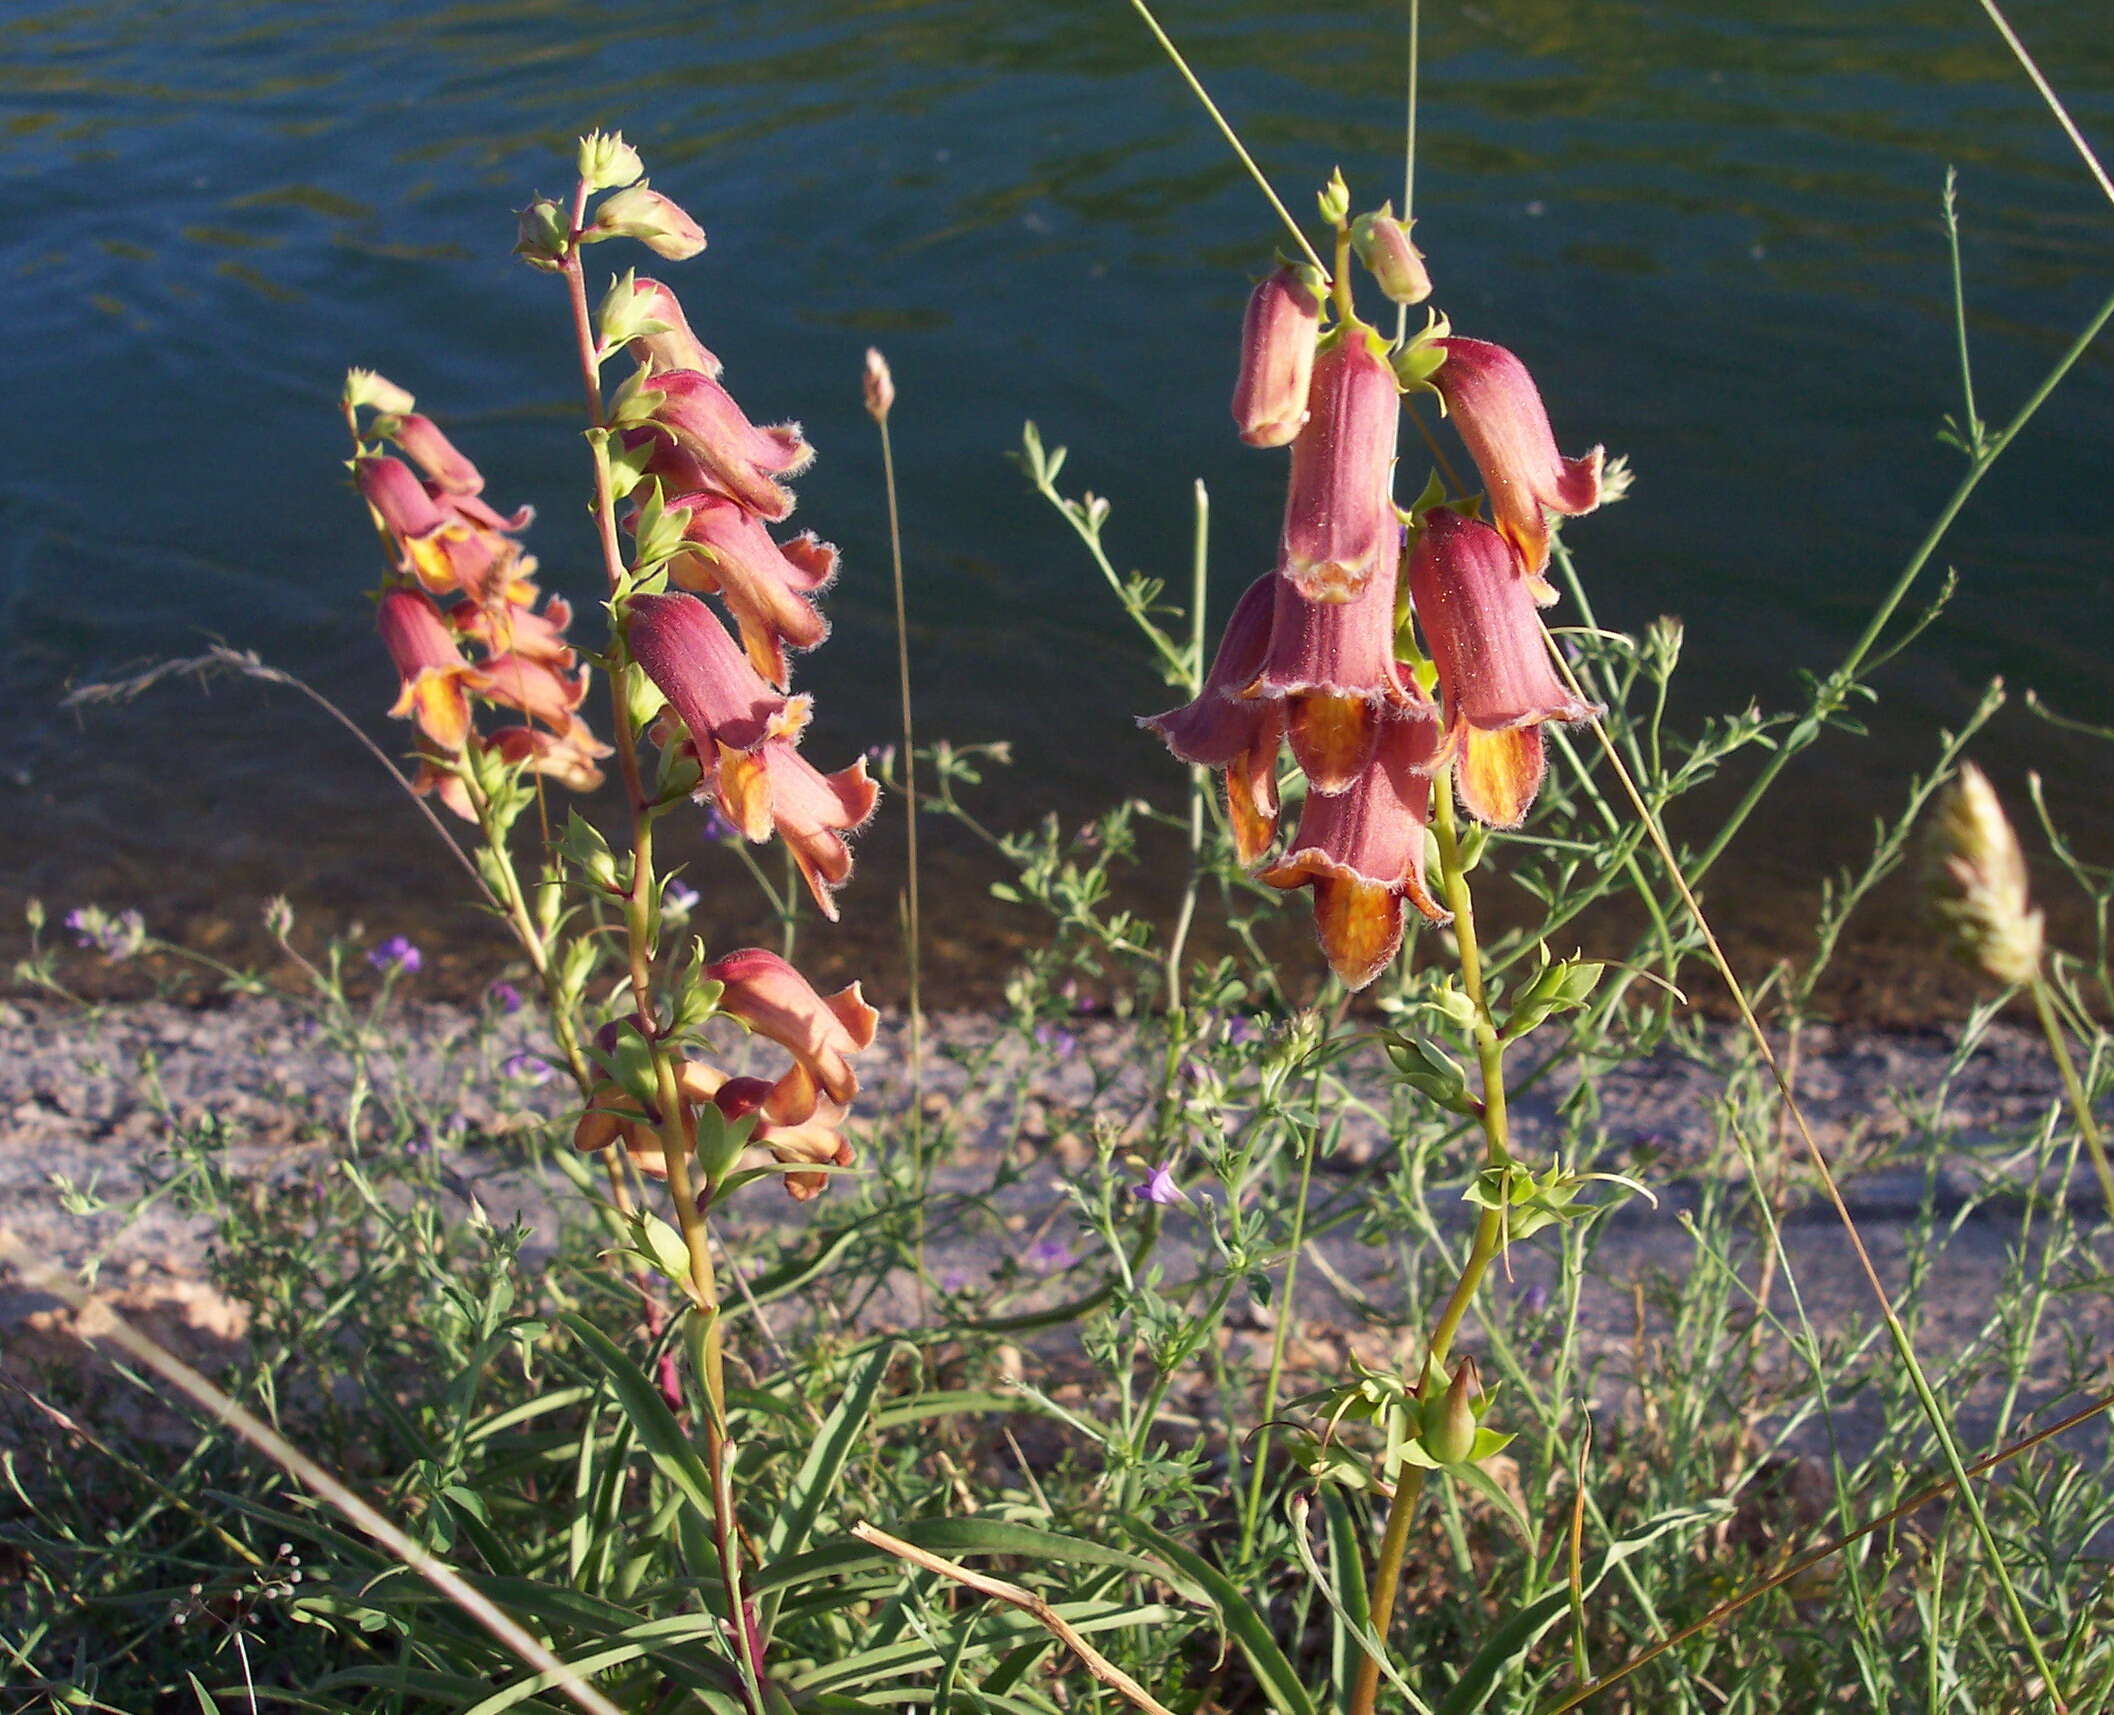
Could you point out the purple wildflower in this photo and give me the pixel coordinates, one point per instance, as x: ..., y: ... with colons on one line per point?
x: 678, y: 900
x: 527, y: 1069
x: 954, y: 1280
x: 117, y: 937
x: 1050, y: 1254
x: 1158, y: 1186
x: 504, y: 997
x: 1057, y: 1040
x: 1239, y: 1030
x: 398, y: 953
x: 717, y: 827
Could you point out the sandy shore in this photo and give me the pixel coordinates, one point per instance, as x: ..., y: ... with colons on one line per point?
x: 89, y: 1106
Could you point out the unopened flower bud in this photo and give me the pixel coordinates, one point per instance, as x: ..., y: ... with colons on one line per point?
x: 1978, y: 882
x: 880, y: 385
x: 364, y: 387
x: 607, y: 162
x: 654, y: 220
x: 1278, y: 337
x: 1396, y: 265
x: 1335, y: 199
x: 543, y: 235
x: 1449, y: 1420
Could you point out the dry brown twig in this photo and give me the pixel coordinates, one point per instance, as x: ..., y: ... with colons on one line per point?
x: 1095, y: 1663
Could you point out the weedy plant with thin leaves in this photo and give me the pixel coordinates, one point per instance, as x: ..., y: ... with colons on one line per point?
x: 1217, y: 1328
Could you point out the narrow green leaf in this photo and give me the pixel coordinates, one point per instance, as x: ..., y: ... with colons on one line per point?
x: 1240, y: 1617
x: 817, y: 1478
x: 1511, y: 1641
x: 658, y: 1432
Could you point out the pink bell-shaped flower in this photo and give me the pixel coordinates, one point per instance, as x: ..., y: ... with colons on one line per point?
x: 1278, y: 336
x: 746, y: 736
x: 1340, y: 526
x: 765, y: 584
x: 1362, y: 851
x: 1494, y: 404
x: 776, y: 1001
x: 1228, y: 729
x: 707, y: 432
x: 1496, y: 677
x: 436, y: 682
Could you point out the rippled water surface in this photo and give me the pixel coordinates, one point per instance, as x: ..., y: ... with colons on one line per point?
x: 1711, y: 228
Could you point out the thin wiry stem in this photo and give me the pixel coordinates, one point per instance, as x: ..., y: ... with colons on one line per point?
x: 1409, y: 149
x: 1897, y: 1333
x: 1791, y: 1569
x: 1225, y: 130
x: 2074, y: 1088
x: 2054, y: 101
x: 1199, y: 778
x: 111, y: 1327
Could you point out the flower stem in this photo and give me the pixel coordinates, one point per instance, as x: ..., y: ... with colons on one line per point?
x: 1489, y: 1229
x: 639, y: 902
x: 1310, y: 1146
x: 2073, y: 1086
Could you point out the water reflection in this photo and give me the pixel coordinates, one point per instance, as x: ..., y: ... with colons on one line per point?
x: 1711, y: 228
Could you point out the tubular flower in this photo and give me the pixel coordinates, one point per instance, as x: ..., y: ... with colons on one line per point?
x: 1334, y: 665
x: 535, y: 687
x: 438, y: 540
x: 1362, y: 852
x: 1493, y: 402
x: 817, y: 1139
x: 1340, y: 526
x: 673, y: 346
x: 1226, y: 728
x: 777, y: 1002
x: 433, y: 453
x: 765, y: 584
x: 567, y: 756
x: 436, y: 681
x: 705, y: 430
x: 512, y: 629
x: 1278, y: 337
x: 1499, y: 684
x: 746, y: 737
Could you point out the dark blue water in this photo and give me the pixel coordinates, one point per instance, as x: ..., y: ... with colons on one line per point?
x: 1712, y: 229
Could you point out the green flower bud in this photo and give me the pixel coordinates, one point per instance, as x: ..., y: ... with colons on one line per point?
x: 1335, y: 199
x: 607, y: 162
x: 545, y: 236
x: 1450, y: 1419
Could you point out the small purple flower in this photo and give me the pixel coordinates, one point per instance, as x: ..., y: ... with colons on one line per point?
x: 679, y: 901
x: 1050, y: 1254
x: 1159, y: 1187
x: 526, y: 1069
x: 503, y: 997
x: 1059, y: 1041
x: 954, y: 1280
x: 1535, y: 1299
x: 1239, y: 1030
x: 117, y: 937
x: 398, y: 953
x: 717, y: 827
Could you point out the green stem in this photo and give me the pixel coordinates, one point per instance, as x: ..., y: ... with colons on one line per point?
x: 1225, y: 130
x: 1809, y: 725
x: 1489, y: 1238
x: 1275, y: 1378
x: 2080, y: 1101
x: 1199, y: 778
x: 638, y: 903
